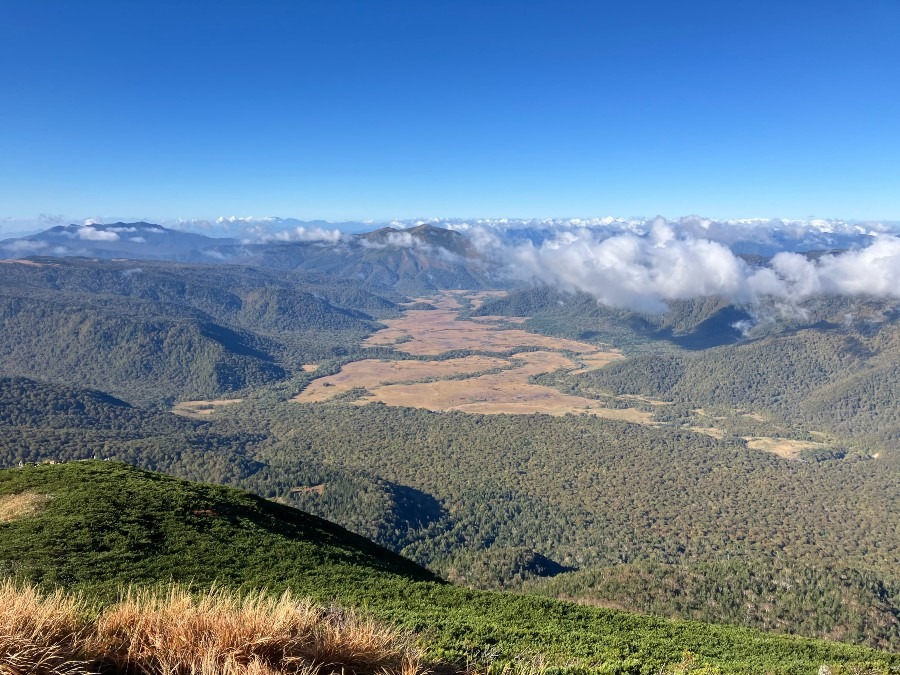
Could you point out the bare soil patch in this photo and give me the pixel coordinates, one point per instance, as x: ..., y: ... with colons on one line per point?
x: 310, y: 367
x: 21, y: 505
x: 197, y: 409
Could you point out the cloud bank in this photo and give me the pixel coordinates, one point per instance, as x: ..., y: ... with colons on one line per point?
x: 643, y: 272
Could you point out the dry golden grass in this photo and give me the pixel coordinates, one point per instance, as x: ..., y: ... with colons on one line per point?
x: 371, y: 373
x: 310, y: 367
x: 436, y: 331
x: 500, y: 319
x: 21, y: 505
x: 177, y: 633
x: 478, y: 298
x: 783, y: 447
x: 433, y: 332
x: 709, y: 431
x: 197, y: 409
x: 507, y: 392
x: 30, y: 263
x: 39, y: 634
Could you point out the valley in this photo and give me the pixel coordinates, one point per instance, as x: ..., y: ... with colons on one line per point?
x: 495, y: 384
x: 449, y: 338
x: 507, y: 439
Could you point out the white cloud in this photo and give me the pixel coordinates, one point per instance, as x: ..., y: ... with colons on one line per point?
x: 245, y: 219
x: 94, y: 234
x: 873, y: 270
x: 299, y: 233
x: 627, y: 270
x: 643, y: 272
x: 23, y: 247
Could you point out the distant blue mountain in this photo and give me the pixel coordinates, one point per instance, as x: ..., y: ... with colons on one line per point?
x: 141, y: 241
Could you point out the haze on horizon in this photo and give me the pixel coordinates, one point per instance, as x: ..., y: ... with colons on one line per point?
x: 347, y: 111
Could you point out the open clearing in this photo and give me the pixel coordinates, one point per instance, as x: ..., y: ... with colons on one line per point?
x: 197, y: 409
x: 783, y: 447
x: 430, y: 332
x: 505, y: 392
x: 372, y: 373
x: 16, y: 261
x: 713, y: 432
x: 22, y: 505
x: 443, y: 385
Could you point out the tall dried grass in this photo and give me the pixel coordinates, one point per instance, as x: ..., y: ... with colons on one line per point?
x: 177, y: 633
x: 21, y: 505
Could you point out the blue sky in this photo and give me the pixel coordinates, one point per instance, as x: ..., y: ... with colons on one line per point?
x: 345, y: 109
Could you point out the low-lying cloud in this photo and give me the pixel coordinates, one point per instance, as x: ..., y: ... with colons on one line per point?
x: 93, y: 234
x: 300, y: 233
x: 644, y: 272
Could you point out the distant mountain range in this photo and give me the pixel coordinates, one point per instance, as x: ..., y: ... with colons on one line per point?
x: 245, y: 237
x: 418, y: 258
x: 142, y: 241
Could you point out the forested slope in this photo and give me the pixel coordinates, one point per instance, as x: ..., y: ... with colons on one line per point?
x: 159, y: 332
x: 93, y: 526
x: 829, y: 365
x: 495, y: 501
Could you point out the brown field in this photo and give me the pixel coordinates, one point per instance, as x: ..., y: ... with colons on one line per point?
x: 500, y: 319
x: 310, y: 367
x: 372, y: 373
x: 783, y: 447
x: 22, y: 505
x: 197, y: 409
x: 709, y: 431
x: 14, y: 261
x: 496, y: 394
x: 424, y: 384
x: 436, y: 331
x: 478, y: 298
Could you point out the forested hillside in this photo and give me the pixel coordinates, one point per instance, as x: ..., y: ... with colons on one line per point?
x: 757, y: 469
x: 155, y: 529
x: 494, y: 501
x: 160, y: 332
x: 827, y: 366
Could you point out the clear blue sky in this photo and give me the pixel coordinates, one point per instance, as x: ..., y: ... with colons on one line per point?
x: 379, y: 109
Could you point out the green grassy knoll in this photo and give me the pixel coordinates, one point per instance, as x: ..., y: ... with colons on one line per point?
x: 95, y: 526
